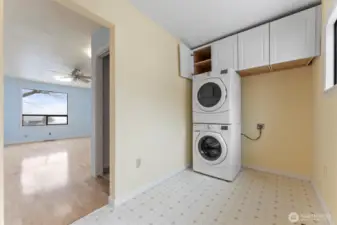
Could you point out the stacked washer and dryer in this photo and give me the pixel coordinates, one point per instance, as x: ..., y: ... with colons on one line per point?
x: 217, y: 124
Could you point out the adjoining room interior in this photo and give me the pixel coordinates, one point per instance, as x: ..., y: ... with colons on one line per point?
x: 182, y: 150
x: 49, y: 115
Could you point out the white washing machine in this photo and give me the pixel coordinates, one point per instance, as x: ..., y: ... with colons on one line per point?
x: 217, y: 150
x: 217, y: 97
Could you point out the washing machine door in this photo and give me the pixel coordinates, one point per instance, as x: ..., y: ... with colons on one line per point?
x: 211, y: 94
x: 211, y: 147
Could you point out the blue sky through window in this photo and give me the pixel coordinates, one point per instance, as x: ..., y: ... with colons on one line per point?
x: 44, y: 102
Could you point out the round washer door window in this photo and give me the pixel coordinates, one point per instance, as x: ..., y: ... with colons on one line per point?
x: 209, y: 94
x: 210, y: 148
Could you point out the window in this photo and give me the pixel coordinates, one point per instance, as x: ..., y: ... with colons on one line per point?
x: 43, y: 108
x: 335, y: 54
x: 331, y: 51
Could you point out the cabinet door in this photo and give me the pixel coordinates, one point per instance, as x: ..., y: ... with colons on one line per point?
x: 318, y: 29
x: 254, y: 48
x: 293, y: 37
x: 225, y: 54
x: 186, y: 61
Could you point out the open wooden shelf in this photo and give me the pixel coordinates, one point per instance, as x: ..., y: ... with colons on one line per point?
x: 202, y: 54
x: 203, y: 67
x: 207, y: 61
x: 202, y: 60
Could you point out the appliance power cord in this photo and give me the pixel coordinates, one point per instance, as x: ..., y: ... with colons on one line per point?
x: 253, y: 139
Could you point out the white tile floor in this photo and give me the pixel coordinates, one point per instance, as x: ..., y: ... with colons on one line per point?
x: 190, y: 198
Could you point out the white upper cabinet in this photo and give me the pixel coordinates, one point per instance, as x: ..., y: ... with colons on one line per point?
x: 254, y: 48
x: 186, y: 61
x: 225, y: 54
x: 295, y: 37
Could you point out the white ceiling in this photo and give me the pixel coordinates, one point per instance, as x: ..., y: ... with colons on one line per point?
x: 41, y: 35
x: 197, y: 22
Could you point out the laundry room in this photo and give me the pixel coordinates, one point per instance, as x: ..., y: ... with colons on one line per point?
x: 220, y: 113
x: 268, y: 91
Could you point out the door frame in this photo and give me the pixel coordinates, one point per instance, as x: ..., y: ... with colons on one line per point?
x: 97, y: 163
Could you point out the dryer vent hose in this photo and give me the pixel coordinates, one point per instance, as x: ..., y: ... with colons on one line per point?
x: 253, y: 139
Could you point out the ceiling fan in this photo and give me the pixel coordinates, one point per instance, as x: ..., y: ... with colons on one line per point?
x: 75, y: 75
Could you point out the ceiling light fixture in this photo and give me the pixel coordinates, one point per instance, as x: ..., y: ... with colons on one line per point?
x: 88, y: 52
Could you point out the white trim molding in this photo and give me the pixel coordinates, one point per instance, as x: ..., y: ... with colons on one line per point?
x: 330, y: 50
x: 111, y: 202
x: 119, y: 201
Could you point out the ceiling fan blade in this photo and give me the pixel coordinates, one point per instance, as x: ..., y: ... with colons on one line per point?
x: 85, y: 80
x: 58, y: 72
x: 85, y: 77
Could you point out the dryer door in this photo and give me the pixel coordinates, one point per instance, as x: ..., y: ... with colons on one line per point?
x: 211, y: 147
x: 211, y: 94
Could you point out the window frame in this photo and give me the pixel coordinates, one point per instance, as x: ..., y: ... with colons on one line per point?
x: 335, y: 54
x: 44, y: 115
x: 330, y: 73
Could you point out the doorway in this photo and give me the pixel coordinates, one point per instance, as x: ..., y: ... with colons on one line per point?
x: 106, y: 115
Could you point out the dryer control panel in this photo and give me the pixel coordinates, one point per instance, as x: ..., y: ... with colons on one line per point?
x: 224, y: 127
x: 210, y: 127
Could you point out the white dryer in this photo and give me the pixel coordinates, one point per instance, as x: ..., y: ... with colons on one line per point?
x: 217, y: 97
x: 217, y: 150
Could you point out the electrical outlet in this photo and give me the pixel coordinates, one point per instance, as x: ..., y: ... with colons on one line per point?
x: 260, y: 126
x: 138, y: 162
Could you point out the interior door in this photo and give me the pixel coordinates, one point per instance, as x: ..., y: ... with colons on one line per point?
x: 106, y: 113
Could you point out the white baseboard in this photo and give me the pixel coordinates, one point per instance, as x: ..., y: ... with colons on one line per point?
x: 111, y: 202
x: 322, y: 202
x: 296, y: 176
x: 121, y: 200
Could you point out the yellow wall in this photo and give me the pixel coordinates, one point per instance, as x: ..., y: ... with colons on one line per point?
x: 152, y: 103
x: 283, y: 101
x: 325, y: 128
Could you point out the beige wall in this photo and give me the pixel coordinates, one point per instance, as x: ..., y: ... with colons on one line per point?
x: 283, y: 101
x: 152, y: 103
x: 325, y: 129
